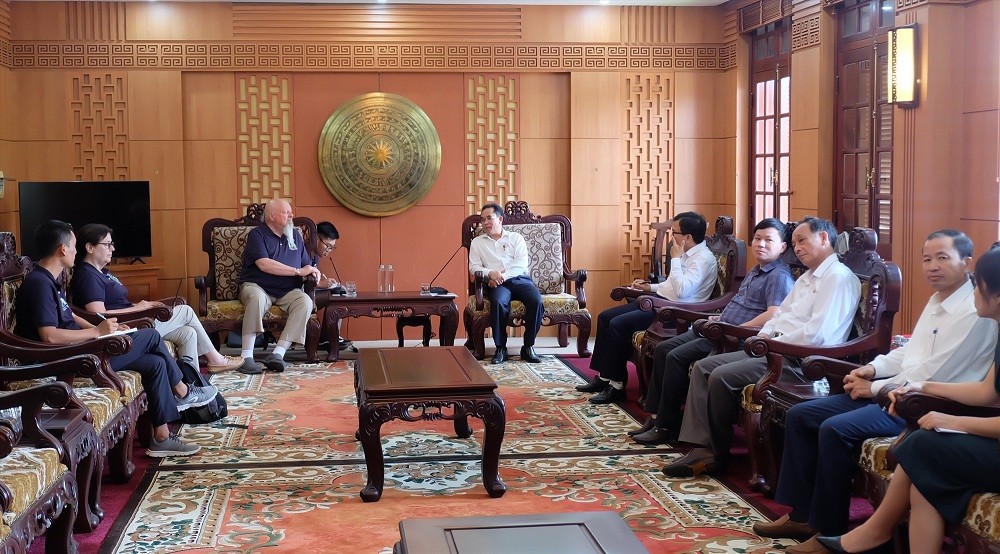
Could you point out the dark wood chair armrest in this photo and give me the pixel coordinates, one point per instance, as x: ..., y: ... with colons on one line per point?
x: 578, y: 277
x: 626, y: 293
x: 832, y: 369
x: 12, y: 346
x: 717, y: 330
x: 85, y: 365
x: 173, y: 301
x: 161, y: 313
x: 479, y: 280
x: 31, y: 400
x: 709, y: 307
x: 913, y: 405
x: 202, y: 286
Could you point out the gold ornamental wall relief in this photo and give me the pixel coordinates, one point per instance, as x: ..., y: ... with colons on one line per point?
x: 379, y: 154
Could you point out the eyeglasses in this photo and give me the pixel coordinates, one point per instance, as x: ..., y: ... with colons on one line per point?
x: 109, y: 244
x: 328, y: 247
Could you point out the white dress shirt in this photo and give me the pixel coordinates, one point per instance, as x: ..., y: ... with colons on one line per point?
x: 934, y: 352
x: 692, y: 276
x: 507, y: 254
x: 820, y: 309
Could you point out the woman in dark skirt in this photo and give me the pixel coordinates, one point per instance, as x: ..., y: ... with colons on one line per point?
x: 946, y: 462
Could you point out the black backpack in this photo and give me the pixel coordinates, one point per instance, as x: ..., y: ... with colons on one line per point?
x: 213, y: 411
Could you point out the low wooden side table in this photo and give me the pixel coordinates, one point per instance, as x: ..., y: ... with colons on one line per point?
x: 413, y: 384
x: 77, y: 435
x: 579, y: 533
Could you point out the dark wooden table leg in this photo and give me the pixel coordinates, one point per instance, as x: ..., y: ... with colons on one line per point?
x: 448, y: 325
x: 494, y: 416
x: 332, y: 331
x: 370, y: 420
x: 462, y: 428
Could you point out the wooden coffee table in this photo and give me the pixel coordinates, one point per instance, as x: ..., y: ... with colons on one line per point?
x: 579, y: 533
x: 71, y: 428
x: 386, y: 304
x: 413, y: 384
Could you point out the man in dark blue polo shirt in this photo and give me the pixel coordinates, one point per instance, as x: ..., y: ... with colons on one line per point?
x: 275, y: 261
x: 44, y: 315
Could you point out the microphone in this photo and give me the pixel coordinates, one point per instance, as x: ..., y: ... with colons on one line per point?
x: 442, y: 290
x: 177, y: 297
x: 339, y: 289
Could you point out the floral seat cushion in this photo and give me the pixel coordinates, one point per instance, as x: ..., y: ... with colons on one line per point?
x: 552, y: 304
x: 103, y: 403
x: 983, y: 516
x: 875, y: 457
x: 28, y: 473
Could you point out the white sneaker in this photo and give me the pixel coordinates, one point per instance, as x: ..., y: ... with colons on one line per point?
x: 170, y: 446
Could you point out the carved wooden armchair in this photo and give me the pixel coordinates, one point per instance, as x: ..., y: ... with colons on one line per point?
x: 766, y: 403
x: 115, y: 399
x: 548, y: 239
x: 38, y: 493
x: 980, y: 530
x: 676, y: 317
x: 219, y: 306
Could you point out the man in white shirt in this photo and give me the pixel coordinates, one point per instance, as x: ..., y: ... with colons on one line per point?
x: 693, y: 272
x: 950, y: 343
x: 819, y: 311
x: 503, y: 256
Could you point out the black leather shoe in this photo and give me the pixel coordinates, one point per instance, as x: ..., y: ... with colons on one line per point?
x: 656, y: 435
x: 646, y: 426
x: 608, y: 395
x: 500, y: 356
x: 595, y: 385
x: 528, y: 355
x: 833, y: 545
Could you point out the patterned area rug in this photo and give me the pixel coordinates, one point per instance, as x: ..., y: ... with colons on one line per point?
x: 283, y: 472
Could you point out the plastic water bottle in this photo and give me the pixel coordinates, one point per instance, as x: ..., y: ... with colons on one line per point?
x: 381, y: 278
x: 390, y: 285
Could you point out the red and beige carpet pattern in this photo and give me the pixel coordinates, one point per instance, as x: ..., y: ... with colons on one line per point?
x: 290, y: 479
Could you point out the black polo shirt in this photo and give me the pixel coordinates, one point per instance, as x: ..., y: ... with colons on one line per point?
x: 41, y: 302
x: 90, y: 284
x: 263, y: 243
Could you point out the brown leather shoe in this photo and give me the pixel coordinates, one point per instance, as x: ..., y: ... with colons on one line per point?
x: 783, y: 528
x: 811, y: 546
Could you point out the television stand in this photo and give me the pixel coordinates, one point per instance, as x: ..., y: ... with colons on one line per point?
x: 142, y: 281
x: 135, y: 260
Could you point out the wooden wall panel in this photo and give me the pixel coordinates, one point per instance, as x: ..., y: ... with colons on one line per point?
x: 315, y: 97
x: 100, y: 21
x: 696, y: 92
x: 45, y: 160
x: 571, y: 23
x: 695, y: 173
x: 11, y: 221
x: 38, y: 21
x: 210, y: 179
x: 597, y: 237
x: 598, y: 287
x: 100, y: 126
x: 980, y: 163
x: 805, y: 95
x: 264, y: 146
x: 373, y: 22
x: 42, y: 107
x: 809, y: 181
x: 596, y: 174
x: 178, y: 21
x: 544, y: 105
x: 545, y: 171
x: 209, y: 106
x: 698, y: 25
x: 492, y: 151
x: 155, y: 101
x: 169, y: 249
x: 7, y: 89
x: 594, y: 105
x: 161, y: 162
x: 648, y: 24
x: 982, y: 56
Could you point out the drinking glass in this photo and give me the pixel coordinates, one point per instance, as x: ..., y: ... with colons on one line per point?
x: 351, y: 288
x: 425, y: 288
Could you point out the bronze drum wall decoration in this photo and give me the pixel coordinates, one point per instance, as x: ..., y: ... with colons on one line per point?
x: 379, y: 154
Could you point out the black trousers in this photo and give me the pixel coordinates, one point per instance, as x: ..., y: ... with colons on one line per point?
x: 150, y: 358
x: 523, y: 289
x: 668, y: 385
x: 613, y: 346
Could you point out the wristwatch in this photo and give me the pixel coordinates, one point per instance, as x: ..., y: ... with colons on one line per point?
x: 297, y: 272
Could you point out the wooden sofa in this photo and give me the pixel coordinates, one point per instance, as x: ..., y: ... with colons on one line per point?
x: 549, y: 239
x: 219, y: 306
x: 38, y: 493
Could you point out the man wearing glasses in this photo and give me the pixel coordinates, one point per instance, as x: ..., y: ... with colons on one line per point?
x: 693, y: 272
x: 327, y: 234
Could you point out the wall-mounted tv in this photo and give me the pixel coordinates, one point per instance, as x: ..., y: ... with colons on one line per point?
x: 121, y: 205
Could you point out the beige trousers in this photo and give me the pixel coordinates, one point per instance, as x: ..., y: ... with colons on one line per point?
x: 296, y: 304
x: 184, y: 329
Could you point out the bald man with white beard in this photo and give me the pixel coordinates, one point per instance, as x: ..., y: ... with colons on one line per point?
x: 275, y: 263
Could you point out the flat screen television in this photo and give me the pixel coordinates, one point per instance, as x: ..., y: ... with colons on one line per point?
x: 121, y: 205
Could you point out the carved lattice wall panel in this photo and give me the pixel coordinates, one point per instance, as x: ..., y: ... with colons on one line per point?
x: 264, y: 137
x: 805, y: 32
x: 6, y: 48
x: 100, y: 127
x: 649, y: 172
x: 267, y: 56
x: 491, y: 140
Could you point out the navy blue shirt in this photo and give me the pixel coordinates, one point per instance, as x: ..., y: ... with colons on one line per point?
x: 41, y: 302
x: 90, y: 284
x: 263, y: 243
